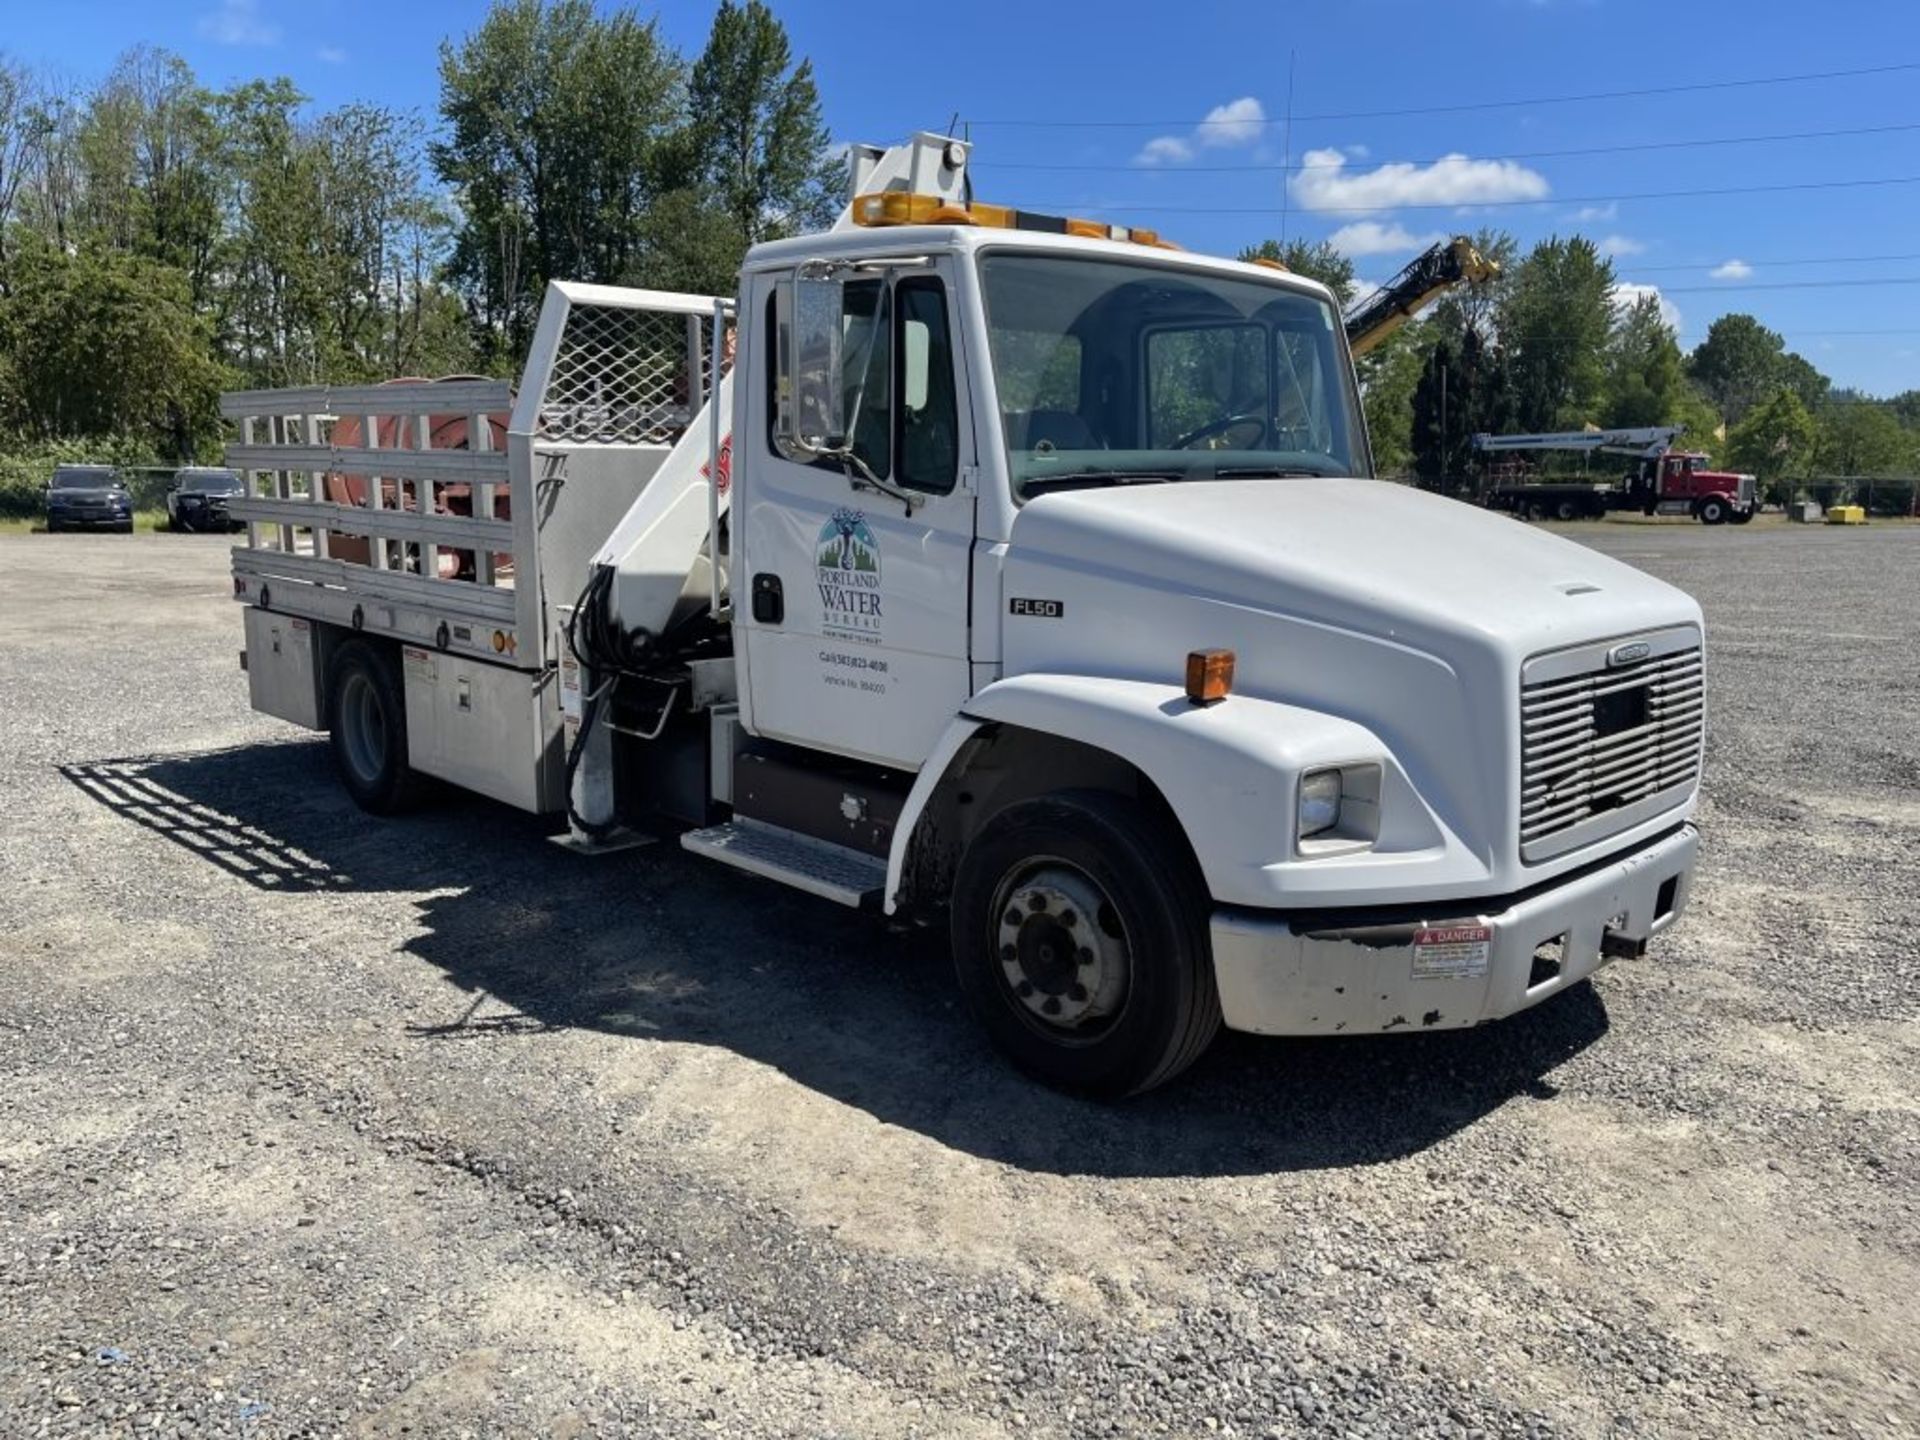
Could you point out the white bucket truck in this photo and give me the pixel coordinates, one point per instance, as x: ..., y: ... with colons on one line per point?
x: 1039, y: 591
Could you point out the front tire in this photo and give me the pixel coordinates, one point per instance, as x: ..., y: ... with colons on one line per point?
x: 1079, y: 932
x: 367, y: 725
x: 1712, y: 511
x: 1566, y: 510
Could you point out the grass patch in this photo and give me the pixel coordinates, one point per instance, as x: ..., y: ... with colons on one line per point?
x: 145, y: 522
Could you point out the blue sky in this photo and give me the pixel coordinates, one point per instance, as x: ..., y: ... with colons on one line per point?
x: 1150, y: 77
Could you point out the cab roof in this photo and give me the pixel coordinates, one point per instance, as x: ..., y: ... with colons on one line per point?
x: 966, y: 240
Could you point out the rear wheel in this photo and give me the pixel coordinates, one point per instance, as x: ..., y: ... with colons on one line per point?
x: 1079, y: 934
x: 1713, y: 510
x: 367, y: 718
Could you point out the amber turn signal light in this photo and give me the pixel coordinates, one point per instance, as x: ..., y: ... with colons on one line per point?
x: 1209, y: 675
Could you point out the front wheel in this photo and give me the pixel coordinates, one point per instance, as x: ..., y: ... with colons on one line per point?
x: 367, y: 721
x: 1079, y: 931
x: 1712, y: 511
x: 1566, y: 510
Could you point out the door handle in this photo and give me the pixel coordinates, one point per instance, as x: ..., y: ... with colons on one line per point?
x: 769, y: 600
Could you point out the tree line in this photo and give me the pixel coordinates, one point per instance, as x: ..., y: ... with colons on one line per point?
x: 161, y: 240
x: 1553, y: 344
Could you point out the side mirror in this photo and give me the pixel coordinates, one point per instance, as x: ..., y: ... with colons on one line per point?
x: 812, y: 312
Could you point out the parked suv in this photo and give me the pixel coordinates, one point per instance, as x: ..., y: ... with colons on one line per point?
x: 197, y: 499
x: 88, y: 497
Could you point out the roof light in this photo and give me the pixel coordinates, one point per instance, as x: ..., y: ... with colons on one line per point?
x: 900, y: 207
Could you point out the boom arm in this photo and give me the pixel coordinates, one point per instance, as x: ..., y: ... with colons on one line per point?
x: 1646, y: 441
x: 1425, y: 280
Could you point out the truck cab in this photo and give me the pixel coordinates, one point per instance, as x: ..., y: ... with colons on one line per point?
x: 1026, y: 577
x: 1680, y: 482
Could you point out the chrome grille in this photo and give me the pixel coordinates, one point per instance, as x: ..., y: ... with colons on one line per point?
x: 1609, y: 745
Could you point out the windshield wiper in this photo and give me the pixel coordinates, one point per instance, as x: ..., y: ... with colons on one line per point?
x: 1034, y: 484
x: 1271, y: 472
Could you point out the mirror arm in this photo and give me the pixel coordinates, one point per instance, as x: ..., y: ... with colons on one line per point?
x: 865, y: 479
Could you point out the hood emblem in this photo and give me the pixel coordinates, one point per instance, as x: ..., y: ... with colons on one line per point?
x: 1628, y: 653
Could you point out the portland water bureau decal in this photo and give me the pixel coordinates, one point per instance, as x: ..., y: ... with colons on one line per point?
x: 847, y: 566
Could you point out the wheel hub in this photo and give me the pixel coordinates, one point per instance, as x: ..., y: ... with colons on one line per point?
x: 1061, y: 947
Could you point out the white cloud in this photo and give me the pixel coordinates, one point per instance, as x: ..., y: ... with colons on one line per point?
x: 1371, y: 237
x: 1619, y: 245
x: 332, y: 54
x: 1362, y: 290
x: 238, y: 22
x: 1731, y: 270
x: 1236, y: 123
x: 1164, y: 150
x: 1626, y: 294
x: 1357, y: 152
x: 1588, y: 214
x: 1324, y: 183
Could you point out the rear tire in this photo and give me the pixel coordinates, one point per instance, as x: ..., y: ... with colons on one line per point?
x: 1079, y: 933
x: 367, y: 725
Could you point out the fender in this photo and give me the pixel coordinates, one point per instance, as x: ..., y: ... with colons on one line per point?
x: 1229, y: 772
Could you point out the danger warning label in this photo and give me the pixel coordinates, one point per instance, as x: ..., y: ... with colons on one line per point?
x: 1452, y: 952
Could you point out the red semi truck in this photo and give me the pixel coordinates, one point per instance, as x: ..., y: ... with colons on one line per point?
x: 1663, y: 481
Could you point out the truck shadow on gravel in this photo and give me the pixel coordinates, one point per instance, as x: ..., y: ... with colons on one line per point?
x: 658, y: 946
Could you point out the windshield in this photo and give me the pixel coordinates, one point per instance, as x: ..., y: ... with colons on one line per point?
x: 74, y: 477
x: 1111, y: 371
x: 213, y: 481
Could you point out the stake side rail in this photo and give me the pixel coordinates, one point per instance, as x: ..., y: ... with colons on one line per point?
x: 395, y: 524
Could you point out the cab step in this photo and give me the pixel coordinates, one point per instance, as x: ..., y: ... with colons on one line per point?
x: 818, y: 867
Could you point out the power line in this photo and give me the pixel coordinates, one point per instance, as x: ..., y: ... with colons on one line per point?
x: 1138, y: 167
x: 1338, y: 210
x: 1696, y: 87
x: 1784, y: 285
x: 1778, y: 264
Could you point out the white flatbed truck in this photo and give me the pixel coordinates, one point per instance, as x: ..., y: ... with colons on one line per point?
x: 1040, y: 590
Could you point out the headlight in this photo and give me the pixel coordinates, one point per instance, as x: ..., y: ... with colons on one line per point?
x: 1320, y: 792
x: 1338, y: 810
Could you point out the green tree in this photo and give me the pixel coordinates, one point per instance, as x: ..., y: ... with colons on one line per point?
x: 556, y: 120
x: 1860, y: 436
x: 104, y: 344
x: 756, y: 129
x: 1554, y: 322
x: 1463, y: 391
x: 1775, y: 440
x: 1388, y: 377
x: 1644, y: 381
x: 1315, y: 259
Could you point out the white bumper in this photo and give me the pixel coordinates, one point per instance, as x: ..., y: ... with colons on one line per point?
x: 1363, y: 972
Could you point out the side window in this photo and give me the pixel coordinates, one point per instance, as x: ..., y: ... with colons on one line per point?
x: 926, y: 419
x: 866, y: 379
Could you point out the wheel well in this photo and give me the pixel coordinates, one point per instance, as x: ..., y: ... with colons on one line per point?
x: 329, y: 640
x: 1003, y: 765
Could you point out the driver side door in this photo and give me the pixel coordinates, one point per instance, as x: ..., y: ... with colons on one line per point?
x: 853, y: 616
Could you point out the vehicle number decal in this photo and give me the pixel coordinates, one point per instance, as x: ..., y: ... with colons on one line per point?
x: 1040, y: 609
x: 1452, y: 952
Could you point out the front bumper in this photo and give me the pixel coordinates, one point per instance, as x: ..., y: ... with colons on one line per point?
x: 1362, y: 971
x: 90, y: 519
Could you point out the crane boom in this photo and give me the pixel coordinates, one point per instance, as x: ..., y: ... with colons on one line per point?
x: 1645, y: 441
x: 1428, y: 277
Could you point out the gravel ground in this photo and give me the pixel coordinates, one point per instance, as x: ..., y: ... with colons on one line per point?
x: 312, y: 1125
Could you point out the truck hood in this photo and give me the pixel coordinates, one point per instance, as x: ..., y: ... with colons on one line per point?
x: 1404, y: 612
x: 1396, y: 562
